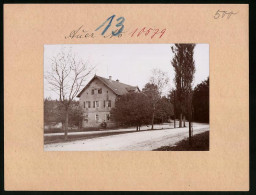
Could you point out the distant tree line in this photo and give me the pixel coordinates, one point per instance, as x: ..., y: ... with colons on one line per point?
x: 54, y: 112
x: 200, y: 102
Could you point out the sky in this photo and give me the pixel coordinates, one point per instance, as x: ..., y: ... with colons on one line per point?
x: 130, y: 63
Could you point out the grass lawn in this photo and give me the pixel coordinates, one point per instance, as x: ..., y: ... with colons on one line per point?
x: 200, y: 142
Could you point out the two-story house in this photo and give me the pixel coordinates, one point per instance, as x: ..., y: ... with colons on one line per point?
x: 98, y: 97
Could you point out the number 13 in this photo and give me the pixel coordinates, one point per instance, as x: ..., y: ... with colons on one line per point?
x: 120, y: 24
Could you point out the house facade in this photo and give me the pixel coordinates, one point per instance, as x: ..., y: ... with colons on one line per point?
x: 98, y: 97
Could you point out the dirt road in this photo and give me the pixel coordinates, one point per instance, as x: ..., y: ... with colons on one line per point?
x: 134, y: 141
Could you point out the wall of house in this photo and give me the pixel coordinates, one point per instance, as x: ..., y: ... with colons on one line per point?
x: 90, y: 119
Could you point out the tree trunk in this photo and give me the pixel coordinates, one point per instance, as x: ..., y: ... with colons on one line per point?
x: 180, y: 124
x: 190, y: 136
x: 190, y: 127
x: 153, y: 118
x: 66, y: 125
x: 137, y: 129
x: 174, y: 123
x: 184, y: 121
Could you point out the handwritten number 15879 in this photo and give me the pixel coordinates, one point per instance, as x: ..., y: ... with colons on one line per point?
x: 110, y: 19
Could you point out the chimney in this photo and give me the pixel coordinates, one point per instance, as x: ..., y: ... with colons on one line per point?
x: 110, y: 78
x: 117, y: 80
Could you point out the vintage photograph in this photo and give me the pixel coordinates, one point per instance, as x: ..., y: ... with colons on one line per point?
x: 126, y: 97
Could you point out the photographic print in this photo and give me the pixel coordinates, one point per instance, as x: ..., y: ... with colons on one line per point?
x: 126, y: 97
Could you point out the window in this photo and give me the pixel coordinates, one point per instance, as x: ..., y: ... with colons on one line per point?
x: 84, y: 104
x: 96, y: 104
x: 97, y: 118
x: 107, y: 103
x: 107, y: 117
x: 86, y: 118
x: 100, y: 91
x: 88, y: 104
x: 92, y: 91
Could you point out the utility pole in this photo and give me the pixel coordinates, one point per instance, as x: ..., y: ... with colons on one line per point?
x: 190, y: 118
x: 174, y: 111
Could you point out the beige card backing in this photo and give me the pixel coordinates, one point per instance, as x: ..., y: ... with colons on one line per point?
x: 27, y: 167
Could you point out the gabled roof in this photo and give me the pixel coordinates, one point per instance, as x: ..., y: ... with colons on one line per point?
x: 117, y: 87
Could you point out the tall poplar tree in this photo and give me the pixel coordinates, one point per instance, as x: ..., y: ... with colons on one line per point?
x: 184, y: 67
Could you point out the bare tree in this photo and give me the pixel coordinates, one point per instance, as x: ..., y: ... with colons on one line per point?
x: 160, y: 79
x: 155, y: 88
x: 66, y: 77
